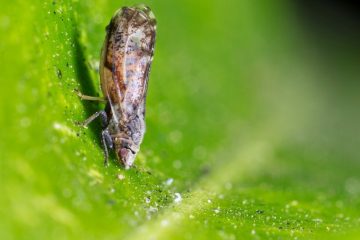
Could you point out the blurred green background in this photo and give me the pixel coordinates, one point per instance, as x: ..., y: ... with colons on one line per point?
x: 252, y: 123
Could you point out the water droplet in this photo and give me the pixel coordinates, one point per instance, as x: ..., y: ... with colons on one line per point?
x: 169, y: 181
x: 164, y: 223
x: 120, y: 177
x: 177, y: 198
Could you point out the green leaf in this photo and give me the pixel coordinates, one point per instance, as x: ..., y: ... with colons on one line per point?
x: 250, y: 135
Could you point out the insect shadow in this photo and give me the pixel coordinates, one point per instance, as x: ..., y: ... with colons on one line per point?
x: 86, y: 84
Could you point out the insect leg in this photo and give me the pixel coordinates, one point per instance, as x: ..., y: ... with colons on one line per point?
x: 104, y: 119
x: 103, y: 116
x: 107, y: 142
x: 89, y: 98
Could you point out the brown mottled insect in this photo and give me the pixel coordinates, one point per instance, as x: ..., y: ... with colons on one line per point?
x: 124, y: 72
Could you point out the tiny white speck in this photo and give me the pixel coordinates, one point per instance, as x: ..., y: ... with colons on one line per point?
x: 152, y: 209
x: 253, y: 232
x: 209, y: 200
x: 164, y: 223
x: 120, y: 177
x: 147, y: 200
x: 177, y: 198
x: 317, y: 220
x: 169, y: 181
x: 63, y: 129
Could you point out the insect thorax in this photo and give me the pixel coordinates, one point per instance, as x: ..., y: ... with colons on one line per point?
x: 131, y: 128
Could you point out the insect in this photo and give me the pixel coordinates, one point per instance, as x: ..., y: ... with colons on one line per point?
x: 126, y: 59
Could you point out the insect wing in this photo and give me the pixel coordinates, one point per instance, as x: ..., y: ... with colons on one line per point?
x: 126, y: 58
x: 138, y: 55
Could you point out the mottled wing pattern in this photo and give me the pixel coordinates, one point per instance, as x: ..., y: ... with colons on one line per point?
x: 127, y: 57
x: 137, y: 62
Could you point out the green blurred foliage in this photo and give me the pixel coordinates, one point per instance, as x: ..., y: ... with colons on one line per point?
x: 251, y: 132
